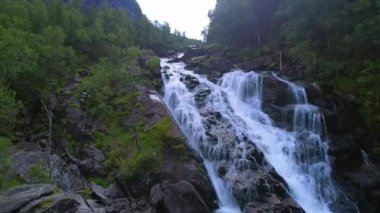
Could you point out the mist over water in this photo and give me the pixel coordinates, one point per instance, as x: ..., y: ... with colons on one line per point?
x: 298, y: 155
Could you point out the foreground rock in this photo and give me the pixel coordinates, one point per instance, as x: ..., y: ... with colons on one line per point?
x: 14, y: 199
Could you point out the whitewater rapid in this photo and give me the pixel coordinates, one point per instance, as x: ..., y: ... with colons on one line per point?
x: 299, y: 155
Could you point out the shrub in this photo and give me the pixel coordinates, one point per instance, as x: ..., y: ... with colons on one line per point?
x: 7, y: 180
x: 9, y: 109
x: 154, y: 63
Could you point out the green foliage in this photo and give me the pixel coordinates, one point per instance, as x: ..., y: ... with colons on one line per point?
x: 46, y: 203
x: 154, y: 63
x: 86, y: 192
x: 102, y: 181
x: 40, y: 174
x: 43, y: 44
x: 7, y: 180
x: 9, y: 109
x: 129, y: 157
x: 243, y: 23
x: 337, y: 40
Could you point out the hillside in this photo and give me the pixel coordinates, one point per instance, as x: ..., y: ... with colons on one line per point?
x: 81, y: 126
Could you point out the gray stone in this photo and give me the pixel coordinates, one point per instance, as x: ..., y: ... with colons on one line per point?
x: 156, y: 195
x: 25, y: 161
x: 15, y: 198
x: 61, y: 202
x: 66, y: 175
x: 113, y: 191
x: 183, y: 197
x: 98, y: 191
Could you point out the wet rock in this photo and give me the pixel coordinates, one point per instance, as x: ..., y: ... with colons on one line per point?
x: 201, y: 96
x: 177, y: 60
x: 276, y: 92
x: 278, y: 208
x: 239, y: 162
x: 313, y: 91
x: 14, y: 199
x: 190, y: 82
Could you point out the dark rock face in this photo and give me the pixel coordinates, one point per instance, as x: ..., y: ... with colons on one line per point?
x: 171, y: 197
x: 355, y: 175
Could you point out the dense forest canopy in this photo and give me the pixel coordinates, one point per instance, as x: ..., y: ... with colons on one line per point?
x: 96, y: 45
x: 337, y: 40
x: 43, y: 43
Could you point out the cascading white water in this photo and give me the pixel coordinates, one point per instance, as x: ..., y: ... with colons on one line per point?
x: 298, y: 156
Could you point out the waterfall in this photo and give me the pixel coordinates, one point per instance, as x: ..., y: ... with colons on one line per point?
x: 224, y: 122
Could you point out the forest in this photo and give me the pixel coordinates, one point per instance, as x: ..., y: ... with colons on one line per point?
x: 45, y: 44
x: 337, y: 40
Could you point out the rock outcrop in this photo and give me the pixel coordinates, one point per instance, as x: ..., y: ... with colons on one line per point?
x: 355, y: 175
x: 16, y: 198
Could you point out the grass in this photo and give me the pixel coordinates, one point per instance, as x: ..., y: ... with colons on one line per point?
x: 126, y: 157
x: 7, y: 179
x: 41, y: 174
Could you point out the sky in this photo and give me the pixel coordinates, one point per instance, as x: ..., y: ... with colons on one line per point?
x: 184, y: 15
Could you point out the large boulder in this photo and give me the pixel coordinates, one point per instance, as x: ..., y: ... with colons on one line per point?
x: 30, y: 164
x: 61, y: 202
x: 14, y: 199
x: 66, y: 175
x: 178, y: 197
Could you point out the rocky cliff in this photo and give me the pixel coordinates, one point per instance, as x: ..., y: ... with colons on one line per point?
x: 355, y: 174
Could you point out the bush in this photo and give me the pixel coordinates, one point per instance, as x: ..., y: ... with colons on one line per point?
x: 154, y: 63
x: 9, y: 109
x: 7, y: 180
x: 126, y: 157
